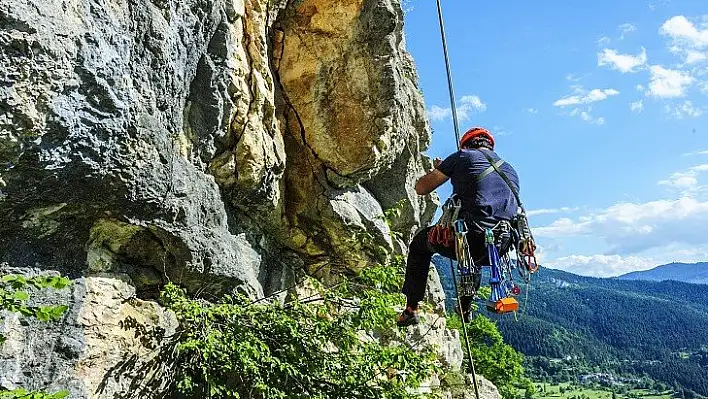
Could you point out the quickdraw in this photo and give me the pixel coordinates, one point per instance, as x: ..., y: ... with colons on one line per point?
x: 442, y: 233
x: 501, y: 282
x: 525, y: 247
x: 469, y: 273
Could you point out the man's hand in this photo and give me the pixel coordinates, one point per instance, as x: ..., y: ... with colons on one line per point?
x: 436, y: 162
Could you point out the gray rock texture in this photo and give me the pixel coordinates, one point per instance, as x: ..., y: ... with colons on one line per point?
x: 102, y: 120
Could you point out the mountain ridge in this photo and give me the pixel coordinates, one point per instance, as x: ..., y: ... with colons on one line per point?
x: 696, y: 273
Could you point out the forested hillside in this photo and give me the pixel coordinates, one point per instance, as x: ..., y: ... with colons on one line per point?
x: 572, y: 326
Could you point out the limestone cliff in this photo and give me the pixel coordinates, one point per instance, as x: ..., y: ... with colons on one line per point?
x: 222, y: 144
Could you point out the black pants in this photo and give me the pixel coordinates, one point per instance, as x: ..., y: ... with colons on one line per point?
x: 420, y: 253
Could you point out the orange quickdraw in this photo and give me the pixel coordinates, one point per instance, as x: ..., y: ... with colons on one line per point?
x: 528, y: 247
x: 440, y: 235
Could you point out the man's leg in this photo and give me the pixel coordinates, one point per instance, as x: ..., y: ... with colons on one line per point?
x: 420, y: 253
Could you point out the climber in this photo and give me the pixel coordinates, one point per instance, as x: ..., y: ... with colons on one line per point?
x: 487, y: 201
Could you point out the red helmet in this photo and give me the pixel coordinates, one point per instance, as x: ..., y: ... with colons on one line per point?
x: 476, y: 132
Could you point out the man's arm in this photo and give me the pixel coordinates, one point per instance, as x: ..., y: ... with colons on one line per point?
x: 434, y: 179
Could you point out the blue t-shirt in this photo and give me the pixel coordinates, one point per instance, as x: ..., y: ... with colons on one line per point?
x: 490, y: 199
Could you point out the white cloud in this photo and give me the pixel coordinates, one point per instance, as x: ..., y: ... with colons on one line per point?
x: 622, y: 62
x: 688, y: 40
x: 603, y: 40
x: 637, y: 106
x: 582, y: 97
x: 585, y: 115
x: 611, y: 265
x: 467, y: 105
x: 684, y: 31
x: 687, y: 179
x: 549, y: 211
x: 560, y: 228
x: 668, y: 83
x: 436, y: 113
x: 626, y: 28
x: 600, y: 265
x: 678, y: 111
x: 575, y: 78
x: 532, y: 110
x: 640, y: 88
x: 653, y: 6
x: 695, y: 57
x: 630, y: 228
x: 500, y: 131
x: 688, y: 154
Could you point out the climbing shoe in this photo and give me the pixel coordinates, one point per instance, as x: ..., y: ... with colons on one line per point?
x: 409, y: 317
x: 465, y: 316
x: 466, y: 303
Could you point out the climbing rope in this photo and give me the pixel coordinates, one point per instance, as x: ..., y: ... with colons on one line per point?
x: 449, y: 76
x: 457, y: 141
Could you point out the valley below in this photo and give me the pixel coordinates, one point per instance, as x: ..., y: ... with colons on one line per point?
x: 585, y: 337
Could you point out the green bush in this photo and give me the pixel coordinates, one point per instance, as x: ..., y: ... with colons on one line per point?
x: 321, y: 349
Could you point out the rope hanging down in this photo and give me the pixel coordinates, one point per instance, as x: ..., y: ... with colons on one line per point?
x: 457, y: 141
x: 449, y: 76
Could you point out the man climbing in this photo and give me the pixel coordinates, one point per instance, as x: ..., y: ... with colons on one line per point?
x: 487, y: 201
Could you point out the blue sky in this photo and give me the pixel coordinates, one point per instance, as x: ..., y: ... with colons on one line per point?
x: 601, y: 106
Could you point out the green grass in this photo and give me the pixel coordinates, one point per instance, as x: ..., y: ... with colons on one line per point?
x: 573, y: 391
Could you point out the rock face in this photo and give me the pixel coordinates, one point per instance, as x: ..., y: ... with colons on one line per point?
x: 105, y: 326
x: 222, y: 144
x: 355, y: 126
x: 118, y: 113
x: 214, y: 130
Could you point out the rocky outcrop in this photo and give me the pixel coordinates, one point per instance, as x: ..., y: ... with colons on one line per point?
x: 111, y: 114
x: 105, y: 326
x: 227, y: 145
x: 355, y: 126
x: 219, y: 130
